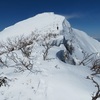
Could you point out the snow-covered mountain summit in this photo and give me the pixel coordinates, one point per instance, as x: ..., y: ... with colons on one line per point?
x: 40, y: 59
x: 46, y: 23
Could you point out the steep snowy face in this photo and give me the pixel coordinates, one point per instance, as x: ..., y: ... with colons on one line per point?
x: 82, y: 45
x: 41, y: 24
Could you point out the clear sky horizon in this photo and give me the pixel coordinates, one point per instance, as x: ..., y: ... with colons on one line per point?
x: 82, y: 14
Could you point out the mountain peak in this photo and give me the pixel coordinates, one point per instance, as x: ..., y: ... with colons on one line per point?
x: 45, y: 22
x: 43, y: 64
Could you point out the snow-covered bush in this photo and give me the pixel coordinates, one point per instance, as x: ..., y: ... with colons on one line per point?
x: 47, y: 43
x: 17, y: 52
x: 69, y: 51
x: 68, y: 45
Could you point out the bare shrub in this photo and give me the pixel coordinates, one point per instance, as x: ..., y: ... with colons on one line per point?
x: 3, y: 81
x: 17, y: 43
x: 47, y: 43
x: 96, y: 67
x: 97, y: 94
x: 3, y: 63
x: 88, y: 58
x: 47, y: 46
x: 18, y: 51
x: 68, y: 45
x: 69, y: 51
x: 27, y: 63
x: 94, y: 60
x: 20, y: 63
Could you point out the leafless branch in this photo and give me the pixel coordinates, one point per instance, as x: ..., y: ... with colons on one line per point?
x: 97, y: 94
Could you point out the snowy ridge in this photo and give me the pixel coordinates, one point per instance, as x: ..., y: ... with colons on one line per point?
x: 46, y: 22
x: 55, y: 78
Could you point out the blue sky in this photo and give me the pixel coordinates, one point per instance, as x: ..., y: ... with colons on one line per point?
x: 82, y: 14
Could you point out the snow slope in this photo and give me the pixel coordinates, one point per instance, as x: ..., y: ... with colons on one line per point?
x: 56, y: 80
x: 46, y: 22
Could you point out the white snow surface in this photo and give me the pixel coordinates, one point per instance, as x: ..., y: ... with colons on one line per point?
x: 45, y: 22
x: 55, y: 80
